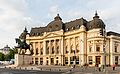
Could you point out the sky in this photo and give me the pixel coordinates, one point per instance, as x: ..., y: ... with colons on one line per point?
x: 15, y: 15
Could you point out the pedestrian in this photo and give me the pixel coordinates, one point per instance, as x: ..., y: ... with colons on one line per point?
x: 71, y: 68
x: 99, y: 67
x: 113, y: 66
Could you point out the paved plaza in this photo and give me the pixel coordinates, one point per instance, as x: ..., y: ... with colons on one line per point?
x: 56, y: 70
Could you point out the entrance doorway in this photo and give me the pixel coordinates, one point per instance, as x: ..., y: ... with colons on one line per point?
x: 52, y: 61
x: 116, y: 60
x: 98, y: 58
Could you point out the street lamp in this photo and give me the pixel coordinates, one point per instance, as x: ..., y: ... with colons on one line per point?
x: 81, y: 41
x: 74, y: 57
x: 102, y: 32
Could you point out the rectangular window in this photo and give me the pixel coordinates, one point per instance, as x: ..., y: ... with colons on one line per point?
x: 37, y: 51
x: 47, y: 62
x: 77, y: 59
x: 66, y: 60
x: 115, y: 48
x: 71, y: 60
x: 47, y: 50
x: 36, y: 60
x: 116, y: 60
x: 41, y: 61
x: 90, y: 59
x: 90, y: 49
x: 98, y: 48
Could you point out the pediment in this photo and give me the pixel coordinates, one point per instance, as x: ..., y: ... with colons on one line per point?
x: 51, y: 35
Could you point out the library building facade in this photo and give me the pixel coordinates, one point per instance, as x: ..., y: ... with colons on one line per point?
x: 78, y: 42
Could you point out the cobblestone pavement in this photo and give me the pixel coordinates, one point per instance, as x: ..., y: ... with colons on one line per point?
x: 93, y: 70
x: 69, y: 70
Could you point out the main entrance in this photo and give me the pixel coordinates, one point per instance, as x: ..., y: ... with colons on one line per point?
x: 52, y: 61
x: 98, y: 60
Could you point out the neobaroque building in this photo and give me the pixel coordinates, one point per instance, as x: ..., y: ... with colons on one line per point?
x: 76, y: 42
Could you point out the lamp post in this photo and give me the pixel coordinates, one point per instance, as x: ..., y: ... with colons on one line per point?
x: 74, y: 57
x: 102, y: 32
x: 81, y: 41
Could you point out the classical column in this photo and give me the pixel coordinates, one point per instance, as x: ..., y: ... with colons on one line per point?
x: 112, y: 59
x: 49, y: 47
x: 62, y: 50
x: 44, y: 52
x: 74, y: 47
x: 34, y: 52
x: 69, y: 51
x: 55, y: 47
x: 93, y: 46
x: 38, y: 52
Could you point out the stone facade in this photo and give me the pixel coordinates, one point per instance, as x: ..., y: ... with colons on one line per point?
x: 77, y: 42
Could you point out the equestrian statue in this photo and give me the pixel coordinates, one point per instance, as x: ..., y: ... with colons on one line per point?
x: 21, y: 41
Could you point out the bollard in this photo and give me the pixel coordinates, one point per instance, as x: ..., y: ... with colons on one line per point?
x: 25, y: 68
x: 40, y: 68
x: 31, y: 68
x: 59, y: 69
x: 20, y: 68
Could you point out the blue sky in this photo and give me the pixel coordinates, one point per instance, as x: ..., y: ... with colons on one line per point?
x: 16, y: 14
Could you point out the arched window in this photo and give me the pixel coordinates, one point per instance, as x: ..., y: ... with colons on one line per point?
x: 50, y: 28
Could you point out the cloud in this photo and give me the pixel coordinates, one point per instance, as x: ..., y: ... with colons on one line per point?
x: 13, y: 19
x: 53, y: 10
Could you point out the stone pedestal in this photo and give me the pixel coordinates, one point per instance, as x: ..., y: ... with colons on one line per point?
x: 21, y: 59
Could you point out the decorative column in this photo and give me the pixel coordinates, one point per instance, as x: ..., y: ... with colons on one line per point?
x: 112, y: 58
x: 49, y: 52
x: 69, y: 51
x: 62, y: 51
x: 74, y: 47
x: 38, y: 52
x: 93, y: 46
x: 44, y: 52
x: 34, y: 52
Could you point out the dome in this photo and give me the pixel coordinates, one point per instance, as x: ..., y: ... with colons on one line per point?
x: 96, y: 23
x: 56, y: 24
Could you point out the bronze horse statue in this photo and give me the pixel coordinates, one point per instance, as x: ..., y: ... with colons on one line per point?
x: 22, y: 45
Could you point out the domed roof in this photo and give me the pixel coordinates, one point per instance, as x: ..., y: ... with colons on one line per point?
x: 96, y: 23
x: 56, y: 24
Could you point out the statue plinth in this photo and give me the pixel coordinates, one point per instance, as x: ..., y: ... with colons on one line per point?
x: 22, y: 59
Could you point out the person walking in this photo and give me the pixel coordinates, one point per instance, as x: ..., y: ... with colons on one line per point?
x: 113, y: 66
x: 99, y: 67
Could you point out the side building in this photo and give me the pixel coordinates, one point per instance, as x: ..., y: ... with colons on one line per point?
x: 5, y: 50
x: 76, y: 42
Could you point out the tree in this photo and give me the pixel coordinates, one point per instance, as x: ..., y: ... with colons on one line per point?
x: 7, y: 57
x: 10, y: 55
x: 1, y: 56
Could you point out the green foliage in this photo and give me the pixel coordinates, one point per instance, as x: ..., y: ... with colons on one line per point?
x: 8, y: 56
x: 1, y: 56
